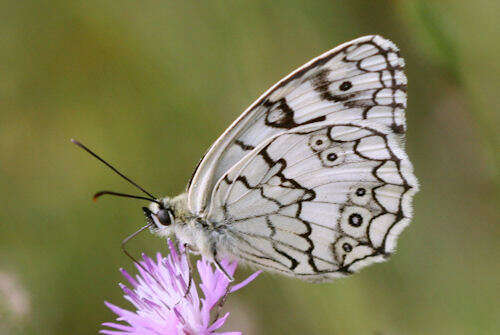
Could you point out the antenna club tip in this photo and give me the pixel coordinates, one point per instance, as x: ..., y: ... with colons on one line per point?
x: 96, y: 196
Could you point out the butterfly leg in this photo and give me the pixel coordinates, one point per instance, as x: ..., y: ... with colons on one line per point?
x: 219, y: 265
x: 190, y: 266
x: 230, y: 278
x: 221, y: 303
x: 190, y: 274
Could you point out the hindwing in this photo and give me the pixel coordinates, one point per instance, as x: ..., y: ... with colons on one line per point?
x: 318, y: 201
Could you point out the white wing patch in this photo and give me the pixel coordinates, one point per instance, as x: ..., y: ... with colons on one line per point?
x: 317, y: 202
x: 359, y: 80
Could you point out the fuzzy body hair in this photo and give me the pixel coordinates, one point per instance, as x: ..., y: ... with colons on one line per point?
x: 197, y: 234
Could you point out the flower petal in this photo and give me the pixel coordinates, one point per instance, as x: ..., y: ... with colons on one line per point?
x: 218, y: 323
x: 245, y: 282
x: 159, y: 295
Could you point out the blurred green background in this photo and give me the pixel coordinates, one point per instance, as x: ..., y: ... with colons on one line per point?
x: 151, y: 84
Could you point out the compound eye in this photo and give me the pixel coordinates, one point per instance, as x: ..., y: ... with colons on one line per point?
x: 165, y: 217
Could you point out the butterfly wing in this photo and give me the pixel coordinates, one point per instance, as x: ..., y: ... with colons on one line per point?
x: 360, y: 80
x: 316, y: 202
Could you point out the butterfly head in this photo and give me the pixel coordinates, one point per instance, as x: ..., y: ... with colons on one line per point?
x: 160, y: 214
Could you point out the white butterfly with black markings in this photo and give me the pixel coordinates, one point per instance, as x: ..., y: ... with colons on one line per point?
x: 312, y: 180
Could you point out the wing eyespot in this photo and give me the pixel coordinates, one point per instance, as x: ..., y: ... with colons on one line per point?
x: 360, y: 194
x: 343, y: 247
x: 345, y: 86
x: 360, y: 191
x: 332, y: 156
x: 354, y: 221
x: 319, y: 142
x: 347, y: 247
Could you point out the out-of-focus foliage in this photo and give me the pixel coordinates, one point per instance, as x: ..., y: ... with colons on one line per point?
x: 150, y: 84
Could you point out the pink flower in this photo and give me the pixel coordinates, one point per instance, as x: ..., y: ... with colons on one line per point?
x: 162, y: 305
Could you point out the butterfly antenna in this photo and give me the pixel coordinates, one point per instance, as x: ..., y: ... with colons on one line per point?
x: 112, y: 168
x: 101, y: 193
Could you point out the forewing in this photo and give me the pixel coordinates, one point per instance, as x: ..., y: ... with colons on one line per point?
x: 359, y: 80
x: 316, y: 202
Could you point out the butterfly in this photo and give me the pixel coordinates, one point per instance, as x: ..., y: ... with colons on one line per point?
x: 312, y: 180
